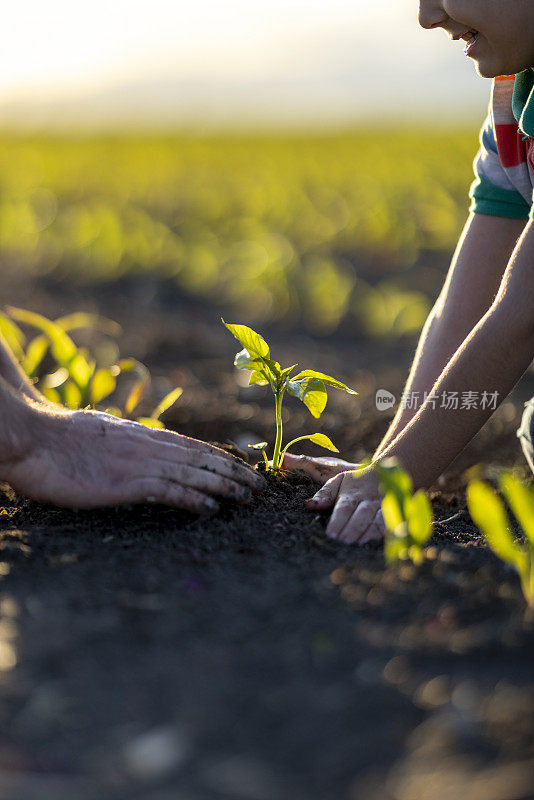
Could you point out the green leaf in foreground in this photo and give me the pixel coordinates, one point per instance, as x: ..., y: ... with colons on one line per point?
x: 488, y: 513
x: 408, y: 517
x: 520, y: 498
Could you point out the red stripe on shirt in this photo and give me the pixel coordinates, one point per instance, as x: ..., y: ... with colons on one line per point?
x: 510, y: 145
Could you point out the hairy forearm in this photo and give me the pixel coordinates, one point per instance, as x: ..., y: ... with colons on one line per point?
x: 491, y: 360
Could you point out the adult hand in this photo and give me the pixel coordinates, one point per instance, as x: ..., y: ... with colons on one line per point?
x: 356, y: 499
x: 87, y: 459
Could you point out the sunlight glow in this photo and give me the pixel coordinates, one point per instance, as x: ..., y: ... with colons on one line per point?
x: 294, y: 54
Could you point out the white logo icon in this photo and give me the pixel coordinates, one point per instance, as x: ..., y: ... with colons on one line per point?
x: 384, y: 400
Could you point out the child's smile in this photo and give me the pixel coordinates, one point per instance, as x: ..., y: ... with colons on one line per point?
x: 499, y: 37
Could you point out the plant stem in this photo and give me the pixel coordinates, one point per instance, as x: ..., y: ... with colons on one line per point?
x: 278, y: 443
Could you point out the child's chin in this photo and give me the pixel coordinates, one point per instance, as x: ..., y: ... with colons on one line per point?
x: 486, y: 70
x: 486, y: 73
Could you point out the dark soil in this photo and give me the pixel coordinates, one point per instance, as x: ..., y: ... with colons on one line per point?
x: 145, y: 653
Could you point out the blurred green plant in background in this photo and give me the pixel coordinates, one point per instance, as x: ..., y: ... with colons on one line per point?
x: 72, y: 376
x: 304, y: 228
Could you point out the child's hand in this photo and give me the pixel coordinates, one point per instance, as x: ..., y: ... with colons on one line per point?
x: 357, y: 513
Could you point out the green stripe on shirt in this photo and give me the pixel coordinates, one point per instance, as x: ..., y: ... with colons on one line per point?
x: 486, y: 198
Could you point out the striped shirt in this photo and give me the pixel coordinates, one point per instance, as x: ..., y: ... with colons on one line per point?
x: 504, y: 165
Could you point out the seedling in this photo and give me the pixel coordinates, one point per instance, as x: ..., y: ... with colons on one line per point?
x: 489, y: 514
x: 309, y: 386
x: 77, y: 381
x: 408, y: 517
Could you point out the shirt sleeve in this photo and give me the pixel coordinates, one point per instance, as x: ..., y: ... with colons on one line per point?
x: 492, y: 192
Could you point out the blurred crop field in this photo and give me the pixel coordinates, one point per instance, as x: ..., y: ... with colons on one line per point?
x: 351, y: 230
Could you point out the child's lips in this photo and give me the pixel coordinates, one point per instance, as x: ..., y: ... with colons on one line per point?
x: 467, y: 35
x: 470, y: 42
x: 470, y: 36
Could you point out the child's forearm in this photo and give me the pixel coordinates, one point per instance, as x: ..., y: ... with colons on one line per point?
x: 488, y: 362
x: 437, y: 344
x: 476, y: 270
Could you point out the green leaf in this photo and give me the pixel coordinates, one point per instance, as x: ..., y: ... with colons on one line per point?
x: 316, y: 438
x: 129, y: 365
x: 274, y: 366
x: 72, y: 395
x: 329, y: 381
x: 52, y: 395
x: 167, y: 402
x: 312, y: 392
x: 322, y: 441
x: 141, y: 385
x: 394, y: 479
x: 114, y: 411
x: 150, y: 422
x: 259, y: 446
x: 415, y: 552
x: 419, y: 514
x: 257, y: 377
x: 488, y: 514
x: 392, y: 511
x: 102, y: 385
x: 285, y: 372
x: 13, y: 336
x: 250, y: 340
x: 35, y: 352
x: 521, y: 500
x: 63, y: 348
x: 394, y: 549
x: 81, y: 370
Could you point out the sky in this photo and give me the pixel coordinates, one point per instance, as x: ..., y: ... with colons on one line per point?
x: 225, y: 60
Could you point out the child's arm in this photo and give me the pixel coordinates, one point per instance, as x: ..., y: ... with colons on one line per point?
x: 476, y: 271
x: 491, y: 359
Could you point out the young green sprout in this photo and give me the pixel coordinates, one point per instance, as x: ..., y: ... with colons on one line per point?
x: 76, y: 380
x: 489, y: 514
x: 408, y: 517
x: 309, y: 386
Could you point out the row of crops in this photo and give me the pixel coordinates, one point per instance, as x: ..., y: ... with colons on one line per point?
x: 318, y: 229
